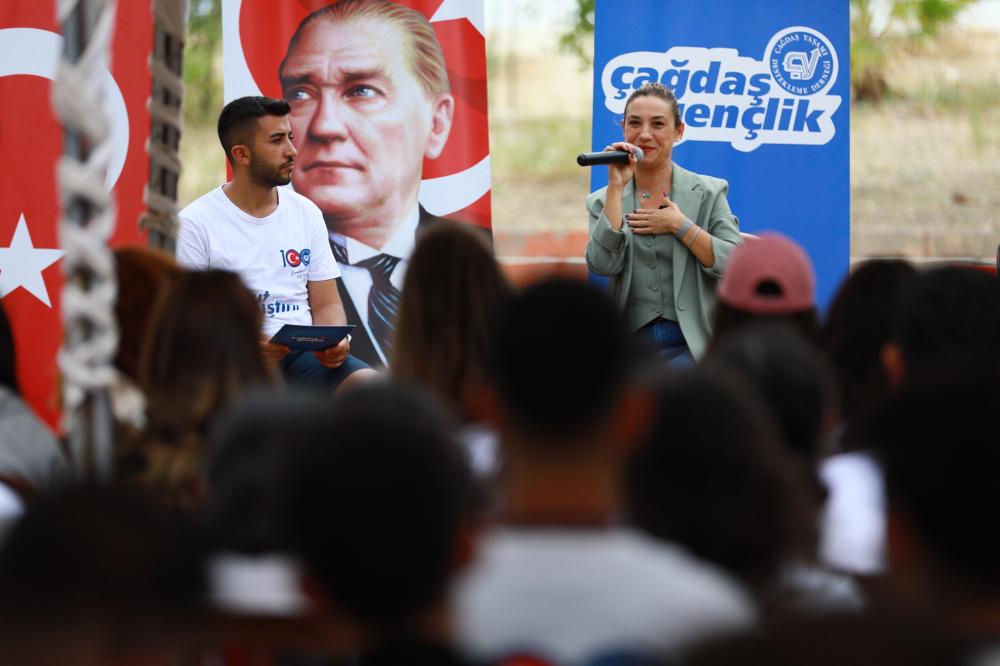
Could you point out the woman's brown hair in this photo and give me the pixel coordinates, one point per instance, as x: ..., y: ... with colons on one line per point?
x: 201, y: 352
x: 450, y: 303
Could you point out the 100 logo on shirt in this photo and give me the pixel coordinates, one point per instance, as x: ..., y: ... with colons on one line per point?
x: 294, y: 258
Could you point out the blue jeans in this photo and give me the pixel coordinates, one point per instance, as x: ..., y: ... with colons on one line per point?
x: 302, y: 368
x: 668, y: 342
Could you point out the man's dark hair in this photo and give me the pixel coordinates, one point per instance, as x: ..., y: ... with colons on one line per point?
x: 246, y: 446
x: 939, y: 432
x: 711, y: 476
x: 108, y: 556
x: 373, y: 501
x: 858, y: 324
x: 560, y: 358
x: 788, y: 372
x: 948, y: 315
x: 238, y: 120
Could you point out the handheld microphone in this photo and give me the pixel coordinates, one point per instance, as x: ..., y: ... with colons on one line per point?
x: 607, y: 157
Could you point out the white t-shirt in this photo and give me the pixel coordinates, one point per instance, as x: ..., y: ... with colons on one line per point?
x: 853, y: 526
x: 275, y: 256
x: 575, y: 595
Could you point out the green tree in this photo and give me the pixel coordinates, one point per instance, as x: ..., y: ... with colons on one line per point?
x: 202, y: 63
x: 873, y: 42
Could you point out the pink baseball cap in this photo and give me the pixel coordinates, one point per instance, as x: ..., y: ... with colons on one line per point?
x: 769, y: 258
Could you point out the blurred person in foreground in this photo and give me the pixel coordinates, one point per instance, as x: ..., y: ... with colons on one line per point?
x: 858, y: 325
x: 448, y: 313
x: 940, y: 433
x: 31, y: 461
x: 378, y: 504
x: 202, y: 352
x: 661, y: 233
x: 769, y: 278
x: 99, y: 576
x: 790, y: 383
x: 557, y: 580
x: 274, y: 239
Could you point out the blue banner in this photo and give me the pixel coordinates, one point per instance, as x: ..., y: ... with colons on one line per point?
x: 764, y: 92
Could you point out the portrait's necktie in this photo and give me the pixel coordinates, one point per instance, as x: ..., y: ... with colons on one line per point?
x: 383, y: 299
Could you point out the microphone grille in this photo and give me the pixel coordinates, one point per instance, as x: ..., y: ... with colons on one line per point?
x: 638, y: 154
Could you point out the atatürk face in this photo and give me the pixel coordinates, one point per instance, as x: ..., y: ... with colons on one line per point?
x: 362, y: 122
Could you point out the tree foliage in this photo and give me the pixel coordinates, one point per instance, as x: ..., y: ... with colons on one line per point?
x: 875, y: 35
x: 202, y: 62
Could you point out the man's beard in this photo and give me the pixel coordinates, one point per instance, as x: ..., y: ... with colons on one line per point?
x: 267, y: 175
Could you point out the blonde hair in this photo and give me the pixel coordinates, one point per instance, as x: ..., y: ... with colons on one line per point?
x: 426, y: 57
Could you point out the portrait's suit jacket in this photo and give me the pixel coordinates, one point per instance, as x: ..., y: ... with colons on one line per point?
x: 702, y: 199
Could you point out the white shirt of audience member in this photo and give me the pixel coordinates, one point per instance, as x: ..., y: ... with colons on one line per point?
x: 572, y: 595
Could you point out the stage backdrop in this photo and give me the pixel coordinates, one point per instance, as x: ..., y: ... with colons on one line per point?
x: 456, y: 184
x: 765, y: 96
x: 30, y: 143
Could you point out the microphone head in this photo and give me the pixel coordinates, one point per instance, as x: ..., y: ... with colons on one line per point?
x: 638, y: 154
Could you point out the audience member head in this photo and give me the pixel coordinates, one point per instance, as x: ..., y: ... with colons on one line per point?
x: 768, y: 278
x: 939, y: 432
x: 448, y: 311
x: 858, y: 325
x: 8, y: 355
x: 711, y: 476
x: 98, y: 573
x: 202, y: 352
x: 244, y: 451
x: 946, y: 316
x: 560, y: 364
x: 140, y: 274
x: 375, y: 500
x: 791, y: 377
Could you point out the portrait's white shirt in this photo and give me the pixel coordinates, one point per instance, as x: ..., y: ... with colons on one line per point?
x: 358, y: 280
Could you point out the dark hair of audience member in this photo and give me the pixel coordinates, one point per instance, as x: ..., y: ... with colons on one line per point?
x: 373, y: 500
x: 140, y: 275
x: 8, y: 355
x: 449, y: 308
x: 711, y: 476
x: 729, y: 319
x: 238, y: 120
x: 560, y: 359
x: 939, y: 432
x: 244, y: 450
x: 791, y: 378
x: 202, y: 352
x: 858, y: 324
x: 102, y: 565
x: 948, y: 314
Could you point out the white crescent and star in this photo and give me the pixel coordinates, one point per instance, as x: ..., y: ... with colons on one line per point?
x: 21, y: 263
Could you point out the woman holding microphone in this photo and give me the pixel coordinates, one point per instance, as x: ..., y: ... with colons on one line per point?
x: 661, y: 233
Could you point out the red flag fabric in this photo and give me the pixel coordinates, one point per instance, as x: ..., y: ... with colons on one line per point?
x: 30, y: 144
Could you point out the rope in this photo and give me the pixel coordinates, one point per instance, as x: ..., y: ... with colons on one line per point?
x: 165, y: 64
x: 88, y: 220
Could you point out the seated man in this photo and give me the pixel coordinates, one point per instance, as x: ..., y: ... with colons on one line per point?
x: 274, y: 239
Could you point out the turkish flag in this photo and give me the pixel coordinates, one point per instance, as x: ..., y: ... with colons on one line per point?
x: 461, y: 173
x: 30, y: 144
